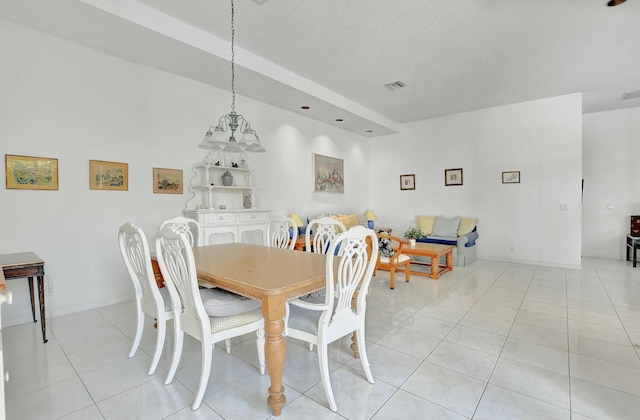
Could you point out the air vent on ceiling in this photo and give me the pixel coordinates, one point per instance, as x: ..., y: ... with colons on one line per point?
x: 395, y: 85
x: 631, y: 95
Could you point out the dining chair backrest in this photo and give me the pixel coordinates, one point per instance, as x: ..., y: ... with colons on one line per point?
x: 355, y: 269
x: 186, y: 225
x: 175, y: 258
x: 137, y: 259
x: 282, y: 233
x: 321, y: 233
x: 149, y: 299
x: 335, y: 316
x: 177, y: 264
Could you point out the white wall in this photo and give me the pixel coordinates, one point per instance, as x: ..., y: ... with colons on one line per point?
x: 62, y: 100
x: 611, y: 178
x: 65, y: 101
x: 542, y: 139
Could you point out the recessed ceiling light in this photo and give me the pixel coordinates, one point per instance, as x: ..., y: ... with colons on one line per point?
x: 615, y: 3
x: 339, y: 119
x: 305, y: 107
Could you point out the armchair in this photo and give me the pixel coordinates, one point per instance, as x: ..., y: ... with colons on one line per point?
x: 390, y: 257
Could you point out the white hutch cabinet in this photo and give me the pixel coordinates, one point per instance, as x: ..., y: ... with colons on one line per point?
x: 226, y: 213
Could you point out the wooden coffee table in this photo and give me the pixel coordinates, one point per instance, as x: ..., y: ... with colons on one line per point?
x: 434, y: 251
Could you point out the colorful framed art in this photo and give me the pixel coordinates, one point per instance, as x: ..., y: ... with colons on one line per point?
x: 108, y: 175
x: 31, y: 173
x: 167, y: 181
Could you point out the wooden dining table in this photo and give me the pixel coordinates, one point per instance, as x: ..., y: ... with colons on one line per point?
x: 272, y: 276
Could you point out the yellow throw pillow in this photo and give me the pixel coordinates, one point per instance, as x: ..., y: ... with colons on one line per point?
x: 466, y: 225
x: 296, y: 219
x: 351, y: 220
x: 342, y: 218
x: 425, y: 224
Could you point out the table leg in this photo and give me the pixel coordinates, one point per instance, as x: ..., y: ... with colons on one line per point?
x: 634, y: 244
x: 43, y: 323
x: 449, y: 258
x: 33, y: 303
x: 274, y: 311
x: 435, y: 267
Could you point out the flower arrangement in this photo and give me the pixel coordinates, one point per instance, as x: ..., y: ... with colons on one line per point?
x: 414, y: 233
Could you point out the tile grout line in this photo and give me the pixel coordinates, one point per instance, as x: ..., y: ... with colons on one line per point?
x: 503, y: 345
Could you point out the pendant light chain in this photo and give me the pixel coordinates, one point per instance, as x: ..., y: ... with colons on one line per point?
x: 228, y: 124
x: 233, y: 54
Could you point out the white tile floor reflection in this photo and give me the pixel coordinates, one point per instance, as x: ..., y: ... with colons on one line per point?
x: 489, y: 341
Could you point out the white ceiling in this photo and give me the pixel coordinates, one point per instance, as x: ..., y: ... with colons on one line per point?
x: 336, y: 55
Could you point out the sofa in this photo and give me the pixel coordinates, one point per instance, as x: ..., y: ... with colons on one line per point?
x: 348, y: 220
x: 461, y: 232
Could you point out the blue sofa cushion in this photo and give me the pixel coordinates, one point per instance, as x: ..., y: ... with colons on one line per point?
x: 472, y: 238
x: 444, y: 240
x: 447, y: 240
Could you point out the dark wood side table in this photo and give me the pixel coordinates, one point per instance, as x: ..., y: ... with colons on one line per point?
x: 29, y: 265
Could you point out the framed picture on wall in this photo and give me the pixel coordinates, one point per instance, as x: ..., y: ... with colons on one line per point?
x: 328, y: 174
x: 511, y: 177
x: 408, y: 182
x: 167, y: 181
x: 453, y: 176
x: 108, y: 175
x: 31, y: 173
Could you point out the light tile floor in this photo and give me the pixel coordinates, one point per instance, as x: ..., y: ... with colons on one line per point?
x: 489, y: 341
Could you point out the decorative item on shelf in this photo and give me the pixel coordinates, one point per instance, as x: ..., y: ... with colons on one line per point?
x: 247, y: 200
x: 222, y: 206
x: 371, y: 216
x: 217, y: 139
x: 217, y: 163
x: 227, y: 179
x: 243, y: 164
x: 234, y: 165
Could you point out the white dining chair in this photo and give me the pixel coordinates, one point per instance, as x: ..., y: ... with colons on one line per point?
x: 324, y: 322
x: 186, y: 225
x: 208, y: 315
x: 282, y: 233
x: 321, y: 232
x: 150, y: 299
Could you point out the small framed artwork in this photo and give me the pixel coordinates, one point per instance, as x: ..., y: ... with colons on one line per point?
x: 511, y: 177
x: 328, y: 174
x: 453, y: 176
x: 167, y: 181
x: 31, y: 173
x: 408, y: 182
x: 108, y: 175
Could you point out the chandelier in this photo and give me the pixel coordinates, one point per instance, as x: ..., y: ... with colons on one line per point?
x: 217, y: 139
